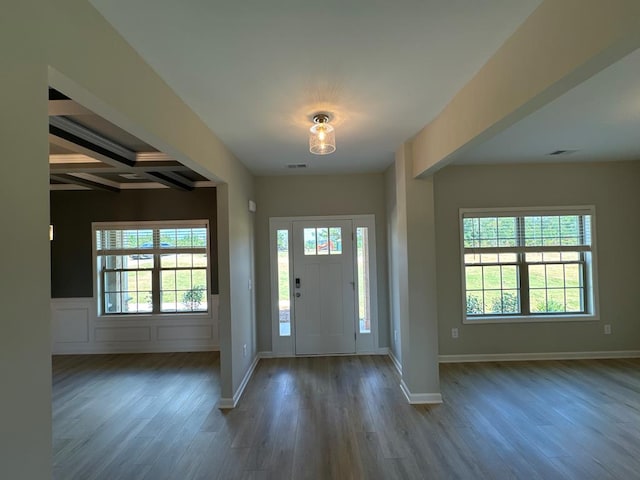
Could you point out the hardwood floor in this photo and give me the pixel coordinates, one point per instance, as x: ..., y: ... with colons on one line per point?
x: 154, y: 417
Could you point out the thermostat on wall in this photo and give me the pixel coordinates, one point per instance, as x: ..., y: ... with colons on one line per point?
x: 252, y: 206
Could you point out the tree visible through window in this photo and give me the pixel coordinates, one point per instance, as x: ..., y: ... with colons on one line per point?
x: 152, y: 267
x: 527, y: 263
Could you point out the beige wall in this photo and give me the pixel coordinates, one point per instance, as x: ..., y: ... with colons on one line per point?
x: 25, y: 338
x: 614, y: 190
x: 393, y: 253
x: 92, y: 64
x: 71, y: 47
x: 241, y: 273
x: 316, y: 195
x: 413, y: 257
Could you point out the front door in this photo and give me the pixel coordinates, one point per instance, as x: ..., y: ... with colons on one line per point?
x: 323, y: 287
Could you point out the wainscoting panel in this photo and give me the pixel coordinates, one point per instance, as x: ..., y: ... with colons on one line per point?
x: 185, y: 332
x: 76, y: 329
x: 123, y: 334
x: 70, y: 324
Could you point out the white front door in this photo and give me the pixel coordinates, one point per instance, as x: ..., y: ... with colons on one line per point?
x: 323, y: 287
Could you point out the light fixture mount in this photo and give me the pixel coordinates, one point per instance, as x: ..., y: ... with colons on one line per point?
x: 322, y: 136
x: 321, y: 118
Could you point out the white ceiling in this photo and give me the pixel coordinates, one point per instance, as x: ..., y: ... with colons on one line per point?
x: 255, y: 71
x: 599, y: 118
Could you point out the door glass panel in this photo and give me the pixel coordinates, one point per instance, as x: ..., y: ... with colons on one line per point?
x: 309, y: 241
x: 323, y: 241
x: 284, y: 285
x: 335, y: 241
x: 364, y: 301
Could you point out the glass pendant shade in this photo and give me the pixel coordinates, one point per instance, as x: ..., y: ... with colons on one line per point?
x: 322, y: 137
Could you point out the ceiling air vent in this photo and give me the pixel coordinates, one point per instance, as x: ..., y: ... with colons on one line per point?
x: 561, y: 152
x: 297, y: 165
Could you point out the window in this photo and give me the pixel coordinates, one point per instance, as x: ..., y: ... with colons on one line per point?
x: 152, y: 267
x: 323, y: 241
x: 362, y: 268
x: 284, y: 284
x: 528, y: 263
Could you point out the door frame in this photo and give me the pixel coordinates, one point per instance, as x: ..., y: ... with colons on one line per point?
x: 366, y: 343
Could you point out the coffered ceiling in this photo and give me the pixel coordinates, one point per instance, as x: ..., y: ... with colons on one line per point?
x: 88, y: 152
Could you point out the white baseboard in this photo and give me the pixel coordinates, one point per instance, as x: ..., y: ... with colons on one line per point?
x: 514, y: 357
x: 396, y: 362
x: 381, y: 351
x: 275, y: 355
x: 420, y: 398
x: 229, y: 403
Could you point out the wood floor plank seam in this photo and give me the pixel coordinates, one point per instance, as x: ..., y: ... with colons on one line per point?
x: 154, y: 417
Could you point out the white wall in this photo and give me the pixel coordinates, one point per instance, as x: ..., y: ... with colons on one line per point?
x: 318, y: 195
x: 614, y: 190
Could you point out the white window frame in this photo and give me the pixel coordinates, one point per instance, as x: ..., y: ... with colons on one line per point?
x: 591, y: 269
x: 285, y: 345
x: 148, y: 225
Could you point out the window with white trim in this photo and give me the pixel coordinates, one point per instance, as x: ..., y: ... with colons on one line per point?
x: 152, y: 267
x: 528, y: 263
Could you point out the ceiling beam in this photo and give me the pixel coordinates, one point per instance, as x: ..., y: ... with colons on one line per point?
x: 169, y: 180
x: 72, y: 136
x: 179, y: 178
x: 66, y: 107
x: 83, y: 182
x: 68, y: 134
x: 145, y: 161
x: 98, y: 167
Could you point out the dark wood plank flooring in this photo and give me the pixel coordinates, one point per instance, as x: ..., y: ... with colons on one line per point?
x: 153, y: 417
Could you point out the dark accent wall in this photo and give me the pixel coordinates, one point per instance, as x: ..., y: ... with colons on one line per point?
x: 73, y: 211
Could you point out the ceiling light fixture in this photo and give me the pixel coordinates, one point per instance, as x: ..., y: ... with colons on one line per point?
x: 322, y: 136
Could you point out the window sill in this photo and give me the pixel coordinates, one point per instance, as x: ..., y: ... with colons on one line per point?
x: 153, y: 317
x: 532, y: 319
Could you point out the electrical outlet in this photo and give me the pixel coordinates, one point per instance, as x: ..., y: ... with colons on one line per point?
x: 607, y: 329
x: 244, y: 350
x: 395, y: 335
x: 455, y: 333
